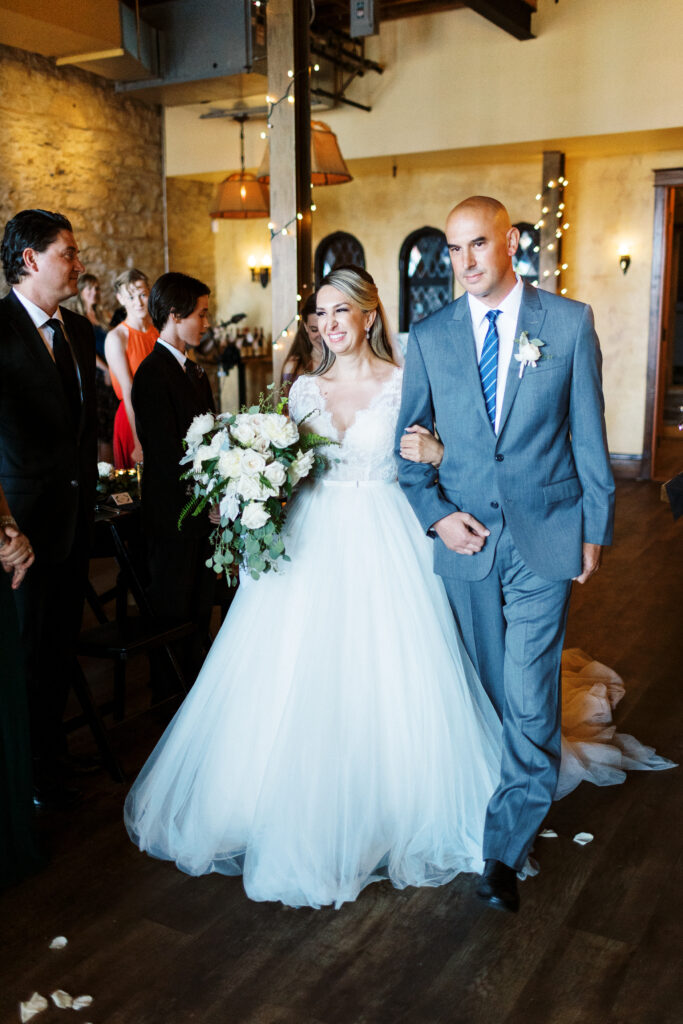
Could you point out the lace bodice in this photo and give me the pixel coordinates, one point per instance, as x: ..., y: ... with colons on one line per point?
x: 366, y: 450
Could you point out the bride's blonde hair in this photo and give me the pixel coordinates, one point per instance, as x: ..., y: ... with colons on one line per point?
x: 357, y: 284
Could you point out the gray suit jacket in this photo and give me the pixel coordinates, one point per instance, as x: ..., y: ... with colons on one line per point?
x: 547, y: 473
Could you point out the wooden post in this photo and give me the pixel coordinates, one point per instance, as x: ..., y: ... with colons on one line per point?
x: 552, y: 196
x: 290, y: 167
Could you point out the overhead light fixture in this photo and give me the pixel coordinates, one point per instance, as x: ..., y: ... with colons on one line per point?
x: 240, y: 196
x: 327, y: 163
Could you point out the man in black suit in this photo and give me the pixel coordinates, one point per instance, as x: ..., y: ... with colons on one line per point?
x: 48, y: 453
x: 169, y: 390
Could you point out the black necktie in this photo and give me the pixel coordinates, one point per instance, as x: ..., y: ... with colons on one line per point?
x: 65, y: 367
x: 194, y: 374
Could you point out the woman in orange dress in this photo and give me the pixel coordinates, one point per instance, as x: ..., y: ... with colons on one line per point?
x: 125, y: 347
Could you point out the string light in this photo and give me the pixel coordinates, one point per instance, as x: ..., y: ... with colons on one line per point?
x: 558, y: 230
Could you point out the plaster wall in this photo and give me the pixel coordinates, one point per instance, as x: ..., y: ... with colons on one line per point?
x: 609, y: 203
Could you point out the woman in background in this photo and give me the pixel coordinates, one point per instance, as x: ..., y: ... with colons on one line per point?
x: 125, y: 347
x: 88, y: 305
x: 306, y: 352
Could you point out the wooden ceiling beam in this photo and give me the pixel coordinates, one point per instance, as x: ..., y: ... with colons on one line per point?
x: 513, y: 16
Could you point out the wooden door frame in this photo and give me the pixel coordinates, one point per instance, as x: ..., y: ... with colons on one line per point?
x: 665, y: 181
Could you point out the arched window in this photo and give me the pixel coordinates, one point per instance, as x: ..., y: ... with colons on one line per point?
x: 336, y: 250
x: 426, y: 276
x: 527, y: 259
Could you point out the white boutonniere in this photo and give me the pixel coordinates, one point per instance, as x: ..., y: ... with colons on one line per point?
x: 529, y: 351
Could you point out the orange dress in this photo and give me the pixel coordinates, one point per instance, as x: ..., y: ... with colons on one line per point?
x: 140, y: 344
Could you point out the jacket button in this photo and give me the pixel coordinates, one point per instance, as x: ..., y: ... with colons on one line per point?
x: 499, y: 457
x: 494, y: 504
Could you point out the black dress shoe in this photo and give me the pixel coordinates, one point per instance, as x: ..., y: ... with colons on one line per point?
x: 498, y: 886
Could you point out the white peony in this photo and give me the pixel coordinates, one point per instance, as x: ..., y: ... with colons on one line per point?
x: 252, y: 463
x: 275, y: 474
x: 199, y: 426
x: 255, y: 515
x: 104, y: 470
x: 280, y: 430
x: 229, y: 462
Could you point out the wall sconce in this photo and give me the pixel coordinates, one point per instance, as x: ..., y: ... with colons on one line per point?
x: 624, y: 259
x: 260, y: 272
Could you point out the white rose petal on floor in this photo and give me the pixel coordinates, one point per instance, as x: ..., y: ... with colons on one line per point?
x: 59, y: 942
x: 36, y: 1004
x: 62, y: 999
x: 583, y: 838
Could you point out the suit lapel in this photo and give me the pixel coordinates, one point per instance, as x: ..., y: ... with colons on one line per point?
x: 530, y: 319
x: 466, y: 354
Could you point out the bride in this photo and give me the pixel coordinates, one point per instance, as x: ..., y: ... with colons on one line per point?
x: 337, y: 733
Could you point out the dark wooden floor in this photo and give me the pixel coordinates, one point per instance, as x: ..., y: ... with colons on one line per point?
x: 598, y: 938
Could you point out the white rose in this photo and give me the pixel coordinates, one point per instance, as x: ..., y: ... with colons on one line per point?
x: 243, y: 432
x: 229, y: 462
x: 280, y: 430
x: 104, y: 469
x: 261, y: 444
x: 255, y: 515
x: 252, y: 463
x: 251, y: 488
x: 208, y: 451
x: 199, y: 426
x: 275, y: 474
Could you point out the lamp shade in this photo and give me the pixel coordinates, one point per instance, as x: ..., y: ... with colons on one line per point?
x: 240, y: 197
x: 327, y: 163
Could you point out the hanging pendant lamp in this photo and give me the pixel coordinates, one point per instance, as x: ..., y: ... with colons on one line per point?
x: 241, y: 196
x: 327, y: 163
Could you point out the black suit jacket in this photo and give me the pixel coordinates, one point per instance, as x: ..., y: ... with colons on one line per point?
x: 166, y: 401
x: 48, y: 465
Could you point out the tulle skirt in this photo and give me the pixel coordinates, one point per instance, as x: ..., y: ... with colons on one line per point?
x: 337, y: 733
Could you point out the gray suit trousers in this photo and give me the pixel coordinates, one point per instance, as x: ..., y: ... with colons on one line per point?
x: 513, y: 624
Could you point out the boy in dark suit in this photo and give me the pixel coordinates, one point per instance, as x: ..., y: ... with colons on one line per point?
x: 169, y: 390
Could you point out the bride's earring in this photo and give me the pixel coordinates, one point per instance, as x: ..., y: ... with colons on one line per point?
x: 367, y: 333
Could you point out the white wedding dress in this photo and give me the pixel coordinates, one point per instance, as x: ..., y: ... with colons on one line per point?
x: 337, y: 733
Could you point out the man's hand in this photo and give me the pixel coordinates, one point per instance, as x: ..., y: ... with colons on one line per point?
x: 462, y: 533
x: 592, y: 553
x: 16, y: 553
x: 215, y: 515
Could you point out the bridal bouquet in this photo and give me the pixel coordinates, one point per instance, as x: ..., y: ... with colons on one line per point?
x: 248, y: 464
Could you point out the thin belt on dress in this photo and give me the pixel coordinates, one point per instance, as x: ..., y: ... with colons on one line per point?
x: 359, y: 483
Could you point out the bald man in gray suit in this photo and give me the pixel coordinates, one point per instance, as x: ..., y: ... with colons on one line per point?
x: 521, y: 505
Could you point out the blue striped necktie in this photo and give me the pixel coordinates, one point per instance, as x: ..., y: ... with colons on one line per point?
x: 488, y: 365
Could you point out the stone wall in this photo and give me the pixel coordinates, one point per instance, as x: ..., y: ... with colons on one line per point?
x: 190, y: 238
x: 69, y: 142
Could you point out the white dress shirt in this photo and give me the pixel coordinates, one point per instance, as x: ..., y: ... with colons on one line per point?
x: 40, y: 319
x: 180, y: 356
x: 506, y: 324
